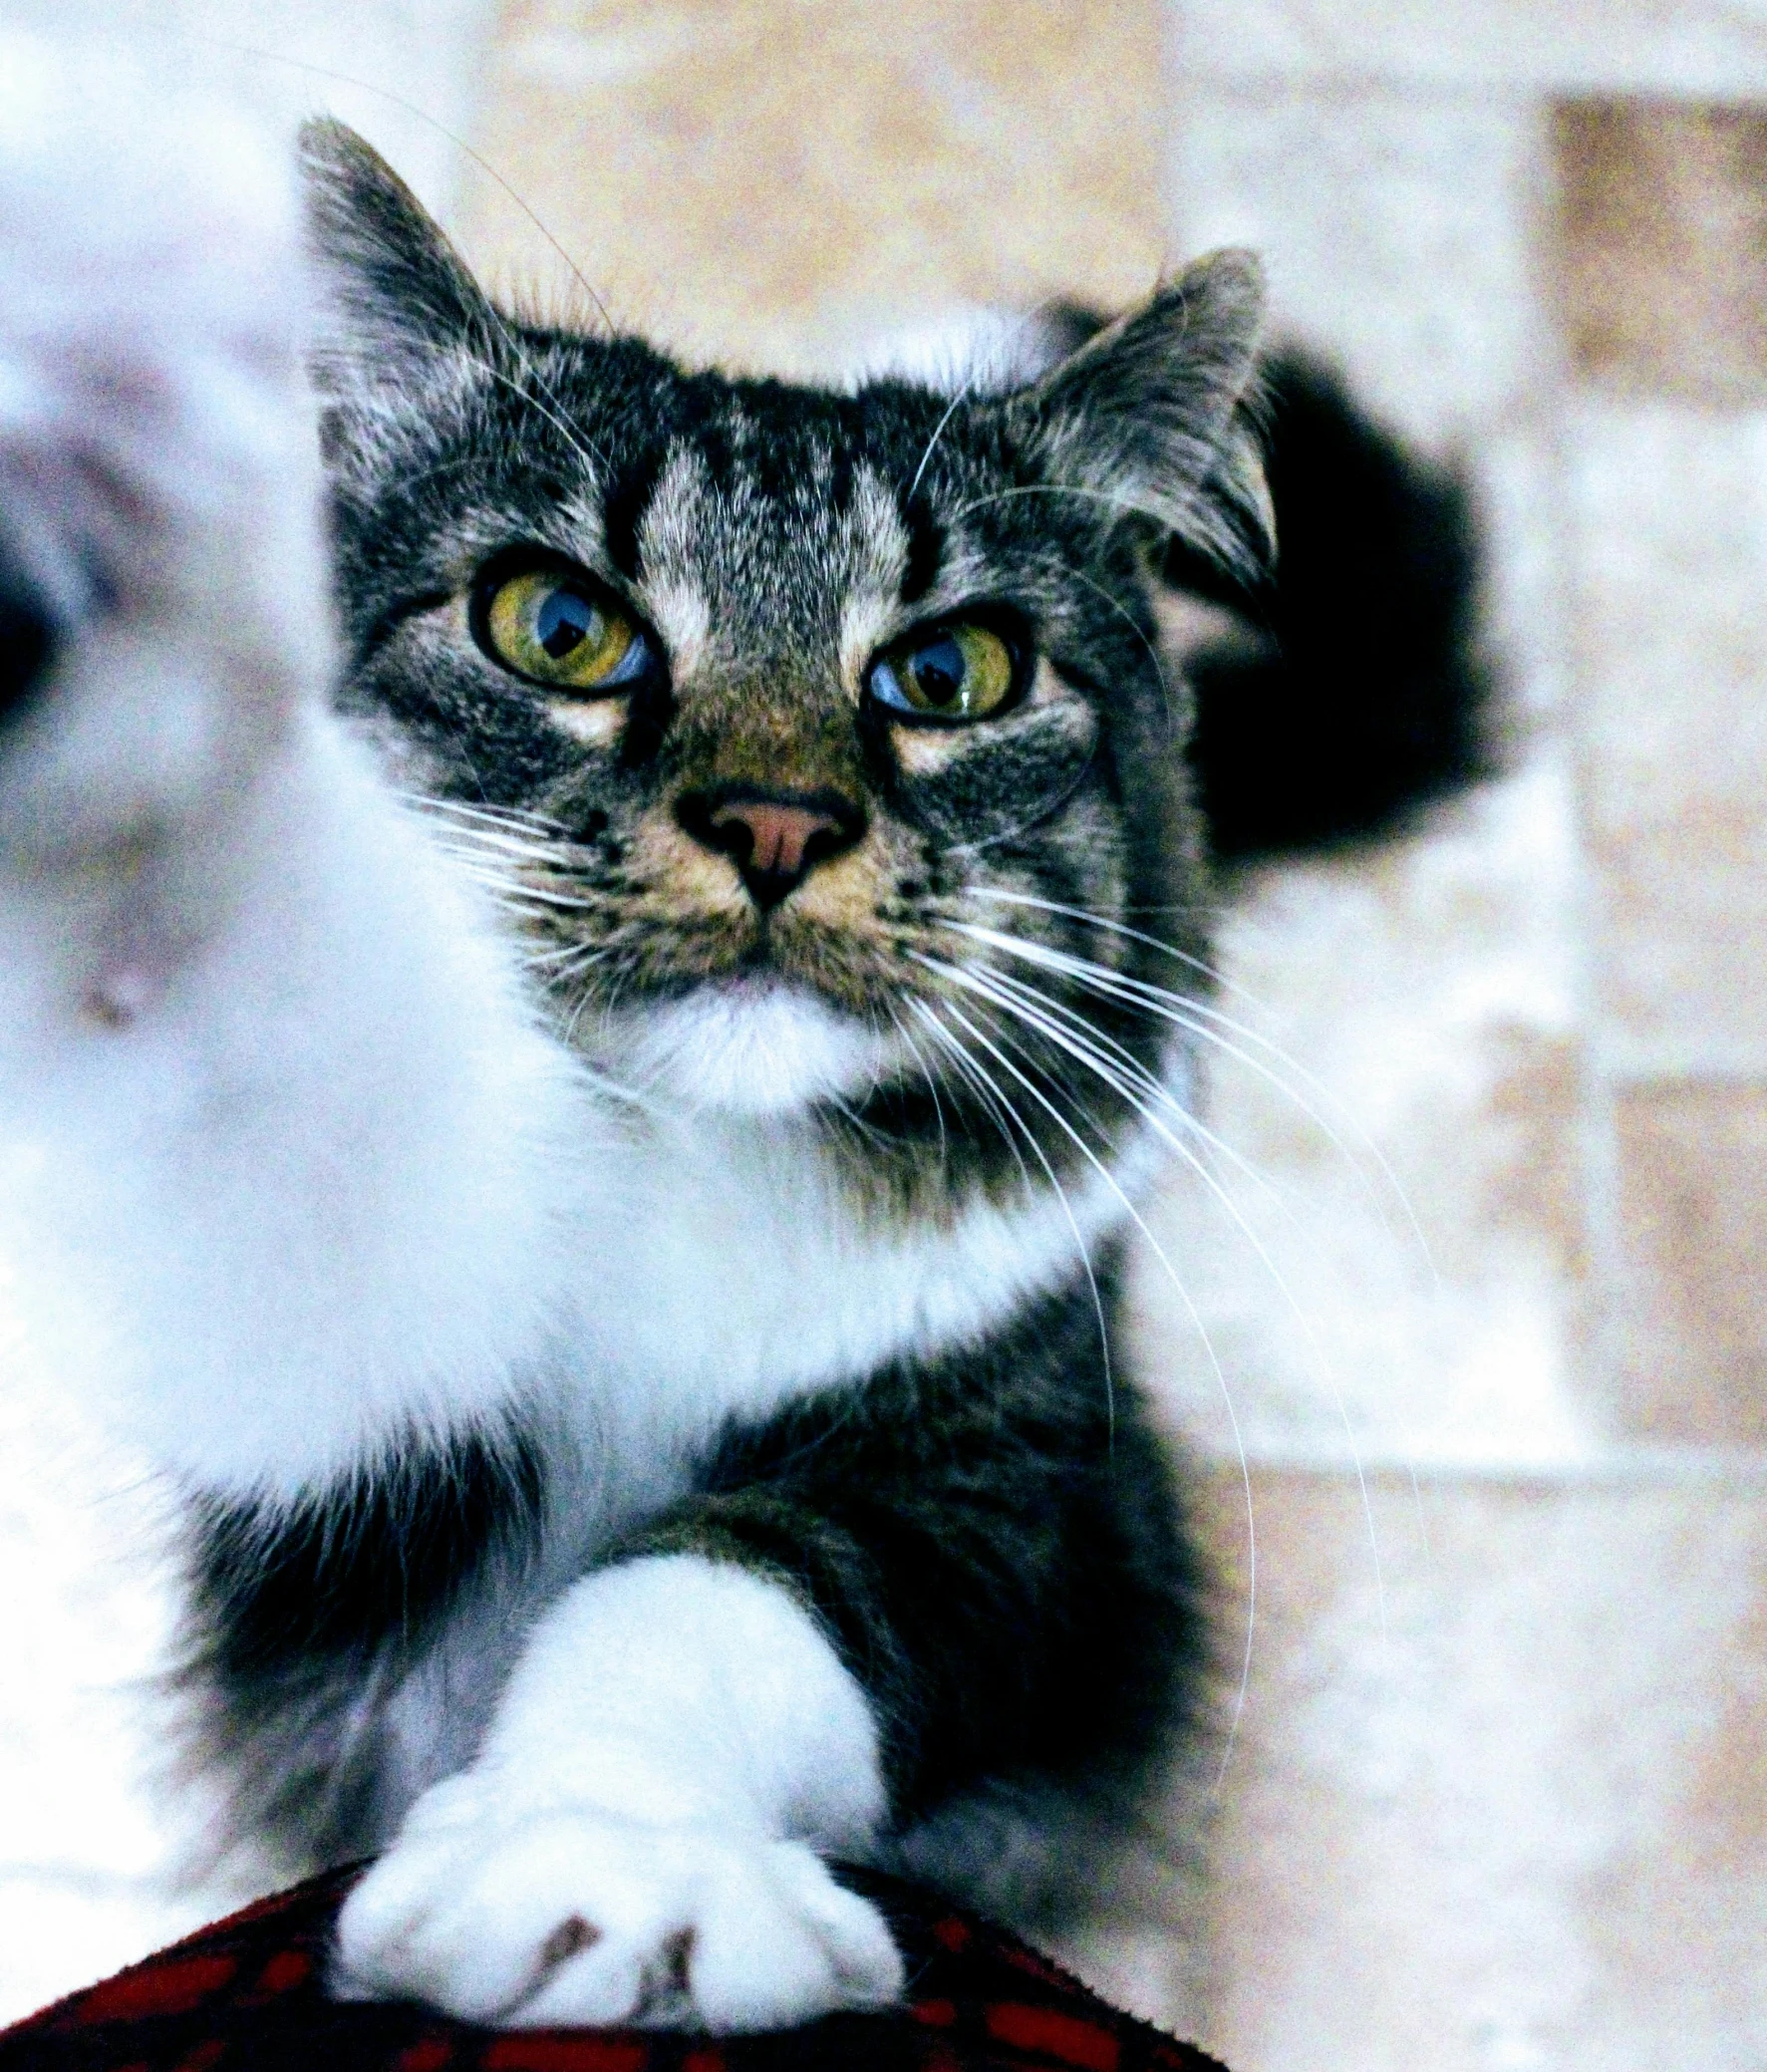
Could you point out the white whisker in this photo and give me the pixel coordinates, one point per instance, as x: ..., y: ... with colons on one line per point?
x: 1004, y: 1117
x: 1116, y: 604
x: 931, y: 1077
x: 1207, y: 1023
x: 950, y: 410
x: 1086, y: 1255
x: 1149, y: 1083
x: 1086, y: 1054
x: 457, y: 143
x: 1117, y: 928
x: 1123, y: 505
x: 1202, y: 1329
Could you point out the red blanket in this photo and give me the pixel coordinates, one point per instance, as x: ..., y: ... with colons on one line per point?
x: 245, y: 1997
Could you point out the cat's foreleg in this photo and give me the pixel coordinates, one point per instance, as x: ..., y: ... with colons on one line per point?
x: 890, y: 1616
x: 642, y: 1836
x: 273, y: 1119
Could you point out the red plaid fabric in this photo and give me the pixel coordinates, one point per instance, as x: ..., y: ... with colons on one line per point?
x: 245, y: 1997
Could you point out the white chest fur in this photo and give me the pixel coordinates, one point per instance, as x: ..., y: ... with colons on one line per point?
x: 727, y: 1270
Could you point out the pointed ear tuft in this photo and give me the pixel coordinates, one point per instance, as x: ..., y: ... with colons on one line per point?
x: 1157, y: 412
x: 393, y: 291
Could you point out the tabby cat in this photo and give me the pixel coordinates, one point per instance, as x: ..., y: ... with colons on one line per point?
x: 588, y: 1110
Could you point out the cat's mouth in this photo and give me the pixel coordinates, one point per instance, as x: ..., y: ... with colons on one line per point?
x: 752, y: 1043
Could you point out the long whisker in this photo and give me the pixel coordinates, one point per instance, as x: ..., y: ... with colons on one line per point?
x: 517, y: 893
x: 514, y: 819
x: 574, y: 436
x: 1202, y: 1330
x: 1073, y: 1223
x: 1000, y: 1111
x: 848, y: 1113
x: 470, y: 831
x: 979, y: 369
x: 1131, y: 1079
x: 1072, y: 568
x: 1210, y: 971
x: 559, y: 966
x: 1120, y: 504
x: 1200, y: 1019
x: 1149, y: 1083
x: 950, y: 410
x: 495, y: 860
x: 1046, y: 810
x: 551, y: 407
x: 1241, y: 1030
x: 1202, y: 525
x: 1086, y: 1054
x: 368, y: 85
x: 931, y: 1077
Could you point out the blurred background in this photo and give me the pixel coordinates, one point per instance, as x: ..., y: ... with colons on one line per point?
x: 1480, y: 1416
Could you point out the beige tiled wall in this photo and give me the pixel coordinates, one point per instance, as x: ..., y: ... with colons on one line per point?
x: 765, y: 182
x: 1691, y: 1365
x: 1661, y: 246
x: 1489, y: 1327
x: 1500, y: 1803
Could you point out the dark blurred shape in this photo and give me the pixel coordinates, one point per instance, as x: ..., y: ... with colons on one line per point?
x: 1354, y: 693
x: 27, y: 632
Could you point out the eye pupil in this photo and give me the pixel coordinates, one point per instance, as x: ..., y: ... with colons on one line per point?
x: 564, y: 622
x: 939, y: 671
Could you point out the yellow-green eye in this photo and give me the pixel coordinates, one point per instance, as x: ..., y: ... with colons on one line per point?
x: 958, y: 671
x: 548, y: 625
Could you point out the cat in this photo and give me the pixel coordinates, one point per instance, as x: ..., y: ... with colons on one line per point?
x: 581, y: 1080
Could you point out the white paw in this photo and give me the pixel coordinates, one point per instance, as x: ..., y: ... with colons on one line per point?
x: 576, y: 1917
x: 154, y: 314
x: 161, y: 500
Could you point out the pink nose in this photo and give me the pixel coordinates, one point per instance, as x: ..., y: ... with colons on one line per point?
x: 780, y: 836
x: 774, y: 838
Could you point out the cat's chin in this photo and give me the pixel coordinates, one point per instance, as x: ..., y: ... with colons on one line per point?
x: 752, y: 1047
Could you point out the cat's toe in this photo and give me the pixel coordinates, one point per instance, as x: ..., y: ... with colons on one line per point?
x: 780, y: 1943
x: 470, y: 1923
x: 585, y: 1919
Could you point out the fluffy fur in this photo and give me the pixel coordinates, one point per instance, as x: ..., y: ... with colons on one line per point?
x: 1354, y: 688
x: 631, y: 1329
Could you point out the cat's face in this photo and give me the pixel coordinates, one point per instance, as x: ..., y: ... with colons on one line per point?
x: 822, y: 740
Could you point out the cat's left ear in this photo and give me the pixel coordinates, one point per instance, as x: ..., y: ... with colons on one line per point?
x: 395, y: 298
x: 1155, y: 414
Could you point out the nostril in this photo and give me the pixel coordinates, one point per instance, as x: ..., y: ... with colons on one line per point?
x: 774, y: 838
x: 730, y: 831
x: 723, y: 834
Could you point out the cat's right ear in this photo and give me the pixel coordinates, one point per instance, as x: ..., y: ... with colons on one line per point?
x: 1157, y: 414
x: 395, y: 296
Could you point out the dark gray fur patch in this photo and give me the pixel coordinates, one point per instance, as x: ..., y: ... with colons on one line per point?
x: 994, y: 1545
x: 312, y: 1622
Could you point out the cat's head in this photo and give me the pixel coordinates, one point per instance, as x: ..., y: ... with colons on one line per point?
x: 822, y: 739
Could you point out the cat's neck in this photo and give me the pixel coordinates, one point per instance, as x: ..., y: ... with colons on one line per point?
x: 738, y: 1261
